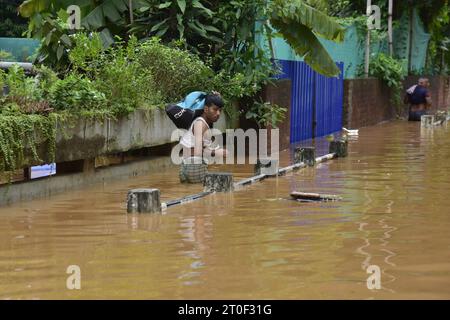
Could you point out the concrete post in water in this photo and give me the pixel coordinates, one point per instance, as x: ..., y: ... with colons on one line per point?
x: 218, y: 182
x: 143, y: 201
x: 441, y: 117
x: 339, y: 147
x: 266, y: 166
x: 306, y: 155
x: 426, y: 121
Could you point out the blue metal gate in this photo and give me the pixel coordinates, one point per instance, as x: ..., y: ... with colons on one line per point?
x: 316, y: 102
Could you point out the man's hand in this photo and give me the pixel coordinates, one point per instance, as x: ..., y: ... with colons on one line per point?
x: 428, y: 104
x: 221, y: 153
x: 217, y: 152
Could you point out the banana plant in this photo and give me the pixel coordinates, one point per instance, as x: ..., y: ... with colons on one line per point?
x: 47, y: 21
x: 301, y: 25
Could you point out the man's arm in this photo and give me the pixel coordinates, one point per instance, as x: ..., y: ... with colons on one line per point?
x: 428, y: 100
x: 198, y: 130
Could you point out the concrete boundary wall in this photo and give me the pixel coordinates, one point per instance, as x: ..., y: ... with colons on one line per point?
x: 87, y: 138
x: 368, y: 101
x: 48, y: 186
x: 78, y: 145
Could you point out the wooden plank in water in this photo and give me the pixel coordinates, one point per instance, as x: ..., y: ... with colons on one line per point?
x: 314, y: 196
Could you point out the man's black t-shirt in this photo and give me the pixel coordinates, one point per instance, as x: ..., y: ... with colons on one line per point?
x: 419, y: 95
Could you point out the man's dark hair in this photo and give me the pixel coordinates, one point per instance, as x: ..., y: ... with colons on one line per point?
x: 213, y: 99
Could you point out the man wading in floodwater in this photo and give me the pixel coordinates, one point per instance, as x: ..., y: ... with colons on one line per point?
x: 197, y: 144
x: 419, y: 99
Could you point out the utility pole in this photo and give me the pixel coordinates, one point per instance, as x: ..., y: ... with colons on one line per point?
x: 130, y: 5
x: 367, y: 58
x: 391, y: 47
x: 411, y: 17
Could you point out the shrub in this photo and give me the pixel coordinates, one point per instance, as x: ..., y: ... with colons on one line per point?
x: 176, y: 71
x: 265, y: 113
x: 20, y: 85
x: 115, y: 72
x: 2, y: 80
x: 76, y: 93
x: 26, y: 95
x: 126, y: 85
x: 391, y: 72
x: 45, y: 78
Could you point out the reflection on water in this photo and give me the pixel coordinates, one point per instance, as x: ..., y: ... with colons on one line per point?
x: 256, y: 242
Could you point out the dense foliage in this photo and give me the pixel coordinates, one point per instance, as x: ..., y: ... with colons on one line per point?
x: 12, y: 25
x: 222, y: 31
x: 435, y: 15
x: 391, y: 72
x: 114, y: 64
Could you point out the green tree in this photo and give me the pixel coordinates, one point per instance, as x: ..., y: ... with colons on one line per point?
x: 208, y: 27
x: 11, y: 23
x: 48, y: 21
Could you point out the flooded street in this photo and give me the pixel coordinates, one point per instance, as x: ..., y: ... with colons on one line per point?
x: 255, y: 243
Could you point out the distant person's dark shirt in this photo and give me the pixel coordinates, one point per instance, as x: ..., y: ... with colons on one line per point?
x: 419, y: 95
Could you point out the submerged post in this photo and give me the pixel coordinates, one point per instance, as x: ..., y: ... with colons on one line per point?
x: 440, y: 117
x: 306, y: 155
x: 339, y: 147
x: 266, y: 166
x: 426, y: 121
x: 143, y: 201
x: 218, y: 182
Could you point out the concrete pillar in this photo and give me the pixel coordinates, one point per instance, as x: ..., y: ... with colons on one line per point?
x: 441, y: 117
x: 306, y: 155
x: 218, y: 182
x: 143, y: 201
x: 266, y: 166
x: 426, y: 121
x: 339, y: 147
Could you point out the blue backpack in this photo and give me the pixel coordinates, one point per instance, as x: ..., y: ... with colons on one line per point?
x: 183, y: 113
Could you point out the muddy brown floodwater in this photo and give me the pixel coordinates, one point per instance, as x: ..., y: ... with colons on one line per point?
x: 255, y: 243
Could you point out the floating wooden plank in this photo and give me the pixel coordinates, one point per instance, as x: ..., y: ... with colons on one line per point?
x: 314, y: 196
